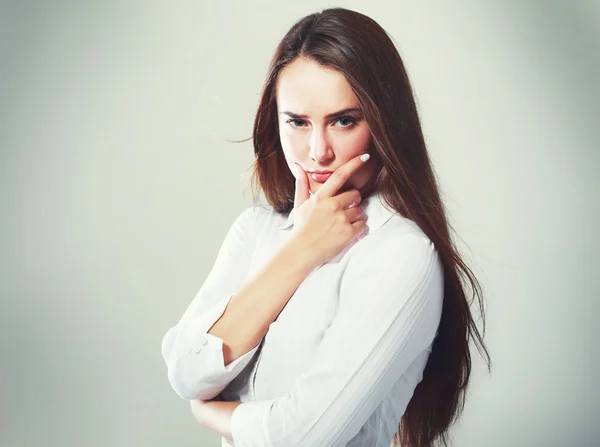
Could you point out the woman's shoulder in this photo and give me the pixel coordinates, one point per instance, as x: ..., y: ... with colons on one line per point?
x: 400, y: 227
x: 261, y: 216
x: 398, y: 237
x: 386, y: 226
x: 396, y: 230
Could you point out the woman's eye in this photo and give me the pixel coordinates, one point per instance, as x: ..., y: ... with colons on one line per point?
x: 345, y: 122
x: 295, y: 123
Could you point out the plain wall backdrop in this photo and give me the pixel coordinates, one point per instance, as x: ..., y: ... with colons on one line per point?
x: 117, y: 189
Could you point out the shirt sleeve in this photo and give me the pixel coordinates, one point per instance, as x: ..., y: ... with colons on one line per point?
x: 390, y: 308
x: 194, y: 358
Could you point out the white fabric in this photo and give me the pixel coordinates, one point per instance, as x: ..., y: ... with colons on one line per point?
x: 341, y: 362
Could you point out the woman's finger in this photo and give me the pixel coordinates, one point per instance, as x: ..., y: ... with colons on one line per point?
x: 302, y: 187
x: 341, y: 175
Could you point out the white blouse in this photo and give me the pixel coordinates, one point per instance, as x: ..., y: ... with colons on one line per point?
x: 341, y: 362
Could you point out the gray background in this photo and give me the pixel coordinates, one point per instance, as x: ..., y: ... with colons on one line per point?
x: 117, y: 188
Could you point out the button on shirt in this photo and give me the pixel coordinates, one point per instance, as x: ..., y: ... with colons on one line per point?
x: 341, y: 362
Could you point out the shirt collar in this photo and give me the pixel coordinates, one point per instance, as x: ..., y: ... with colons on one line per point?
x: 374, y: 207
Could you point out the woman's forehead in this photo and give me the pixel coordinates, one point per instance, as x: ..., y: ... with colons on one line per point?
x: 306, y: 88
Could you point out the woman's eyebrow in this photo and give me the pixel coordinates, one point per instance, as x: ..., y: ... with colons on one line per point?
x: 331, y: 115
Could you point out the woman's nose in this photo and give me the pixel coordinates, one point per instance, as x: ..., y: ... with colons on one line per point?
x: 320, y: 149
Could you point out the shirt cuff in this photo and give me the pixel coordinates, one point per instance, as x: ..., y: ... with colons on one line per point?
x: 249, y: 424
x: 196, y: 365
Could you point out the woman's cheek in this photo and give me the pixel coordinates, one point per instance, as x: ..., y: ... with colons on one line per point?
x: 356, y: 142
x: 292, y: 144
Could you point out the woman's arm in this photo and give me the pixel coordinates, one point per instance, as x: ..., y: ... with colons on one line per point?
x: 213, y: 343
x: 325, y: 227
x: 215, y: 415
x: 215, y: 338
x: 262, y: 298
x: 193, y: 357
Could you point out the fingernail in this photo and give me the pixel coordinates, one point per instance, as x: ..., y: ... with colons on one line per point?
x: 365, y: 157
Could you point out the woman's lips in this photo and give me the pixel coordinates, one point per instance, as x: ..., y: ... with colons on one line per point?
x: 321, y: 178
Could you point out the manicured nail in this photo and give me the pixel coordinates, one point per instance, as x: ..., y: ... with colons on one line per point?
x: 365, y: 157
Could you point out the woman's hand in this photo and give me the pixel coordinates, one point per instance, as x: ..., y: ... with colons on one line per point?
x: 325, y: 223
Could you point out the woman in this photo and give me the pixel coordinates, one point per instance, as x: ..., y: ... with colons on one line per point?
x: 335, y: 316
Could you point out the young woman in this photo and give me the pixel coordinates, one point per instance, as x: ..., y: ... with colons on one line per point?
x: 337, y: 314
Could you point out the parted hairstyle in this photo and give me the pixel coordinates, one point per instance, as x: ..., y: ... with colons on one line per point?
x: 362, y: 51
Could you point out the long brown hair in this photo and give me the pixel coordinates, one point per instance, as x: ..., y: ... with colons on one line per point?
x: 359, y: 48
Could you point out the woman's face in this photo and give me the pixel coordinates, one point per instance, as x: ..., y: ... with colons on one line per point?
x: 321, y: 126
